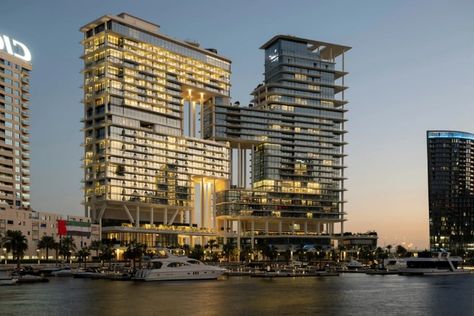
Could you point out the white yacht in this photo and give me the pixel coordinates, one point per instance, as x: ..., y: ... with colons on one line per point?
x: 439, y: 264
x: 395, y: 264
x: 176, y: 268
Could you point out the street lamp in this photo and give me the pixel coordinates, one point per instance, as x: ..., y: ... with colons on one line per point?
x: 38, y: 255
x: 5, y: 254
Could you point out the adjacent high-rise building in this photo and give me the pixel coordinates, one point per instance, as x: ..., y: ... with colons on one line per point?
x: 451, y: 190
x: 294, y: 132
x: 15, y: 68
x: 148, y: 173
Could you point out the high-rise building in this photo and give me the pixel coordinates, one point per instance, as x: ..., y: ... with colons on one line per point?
x: 148, y: 173
x: 15, y: 68
x: 451, y: 190
x: 294, y: 132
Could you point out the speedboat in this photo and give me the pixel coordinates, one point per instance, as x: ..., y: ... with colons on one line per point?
x: 64, y: 272
x: 7, y: 278
x: 174, y: 268
x: 354, y: 265
x: 440, y: 263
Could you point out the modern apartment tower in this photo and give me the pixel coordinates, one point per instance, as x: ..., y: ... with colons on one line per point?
x: 148, y: 173
x: 451, y: 190
x: 15, y: 68
x: 294, y: 133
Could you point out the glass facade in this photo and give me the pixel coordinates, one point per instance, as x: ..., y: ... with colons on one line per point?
x: 294, y: 130
x: 451, y: 190
x: 136, y: 154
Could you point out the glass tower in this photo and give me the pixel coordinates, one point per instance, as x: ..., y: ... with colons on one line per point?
x: 451, y: 190
x: 294, y: 133
x: 148, y: 173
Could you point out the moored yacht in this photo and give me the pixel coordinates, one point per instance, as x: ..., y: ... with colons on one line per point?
x: 174, y: 268
x: 439, y: 264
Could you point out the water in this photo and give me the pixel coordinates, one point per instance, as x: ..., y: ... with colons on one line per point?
x: 349, y: 294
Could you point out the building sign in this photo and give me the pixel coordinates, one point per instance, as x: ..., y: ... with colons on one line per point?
x: 15, y: 48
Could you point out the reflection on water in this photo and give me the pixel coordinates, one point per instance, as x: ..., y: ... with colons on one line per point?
x: 355, y: 294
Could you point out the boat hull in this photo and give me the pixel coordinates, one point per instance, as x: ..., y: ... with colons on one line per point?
x: 152, y: 275
x: 432, y: 272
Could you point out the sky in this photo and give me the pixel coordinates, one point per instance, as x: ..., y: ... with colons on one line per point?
x: 411, y: 67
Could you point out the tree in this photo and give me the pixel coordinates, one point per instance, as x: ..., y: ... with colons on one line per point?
x: 135, y: 251
x: 82, y: 255
x: 96, y: 245
x: 107, y: 253
x: 46, y: 242
x: 246, y: 253
x: 211, y: 245
x: 389, y: 250
x: 67, y: 246
x: 197, y: 252
x: 187, y: 249
x: 380, y: 255
x: 268, y: 251
x: 228, y: 250
x: 401, y: 251
x: 16, y: 243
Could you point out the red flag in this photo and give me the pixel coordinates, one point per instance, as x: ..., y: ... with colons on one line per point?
x: 62, y: 230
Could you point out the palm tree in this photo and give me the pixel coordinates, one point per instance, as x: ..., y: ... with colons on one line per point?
x: 135, y: 251
x: 67, y: 246
x: 16, y: 243
x: 82, y: 256
x: 107, y: 253
x: 197, y: 252
x: 46, y: 242
x: 401, y: 251
x: 96, y: 245
x: 187, y: 249
x: 228, y: 250
x: 211, y: 244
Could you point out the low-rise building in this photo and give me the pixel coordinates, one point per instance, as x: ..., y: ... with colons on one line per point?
x: 34, y: 225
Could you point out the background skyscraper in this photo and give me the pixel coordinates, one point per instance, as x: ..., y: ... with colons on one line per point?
x: 15, y: 68
x: 451, y: 190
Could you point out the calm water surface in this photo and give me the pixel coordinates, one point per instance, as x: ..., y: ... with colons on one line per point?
x: 350, y: 294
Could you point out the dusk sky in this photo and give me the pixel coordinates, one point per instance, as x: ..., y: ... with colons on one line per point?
x: 411, y: 69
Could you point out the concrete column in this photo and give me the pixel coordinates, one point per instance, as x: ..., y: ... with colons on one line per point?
x: 225, y: 231
x: 137, y: 221
x: 244, y: 169
x: 318, y: 228
x: 239, y: 229
x: 193, y: 117
x: 203, y: 204
x: 152, y: 216
x: 239, y: 167
x: 266, y: 227
x: 165, y: 217
x: 306, y: 227
x: 280, y: 229
x: 252, y: 233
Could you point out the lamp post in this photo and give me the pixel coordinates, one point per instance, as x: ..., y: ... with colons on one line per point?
x: 5, y: 254
x: 38, y: 255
